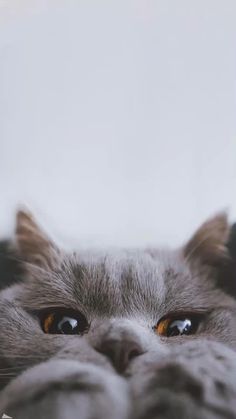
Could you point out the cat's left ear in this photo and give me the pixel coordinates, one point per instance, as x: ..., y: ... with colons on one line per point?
x: 214, y: 246
x: 33, y: 244
x: 209, y: 243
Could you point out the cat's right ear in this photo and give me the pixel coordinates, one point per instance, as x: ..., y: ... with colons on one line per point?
x: 209, y: 243
x: 33, y: 244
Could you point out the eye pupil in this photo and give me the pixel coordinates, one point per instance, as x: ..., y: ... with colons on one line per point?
x: 67, y: 325
x: 179, y: 327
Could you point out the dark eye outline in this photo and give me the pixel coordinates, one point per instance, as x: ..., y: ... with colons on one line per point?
x: 195, y: 317
x: 56, y: 314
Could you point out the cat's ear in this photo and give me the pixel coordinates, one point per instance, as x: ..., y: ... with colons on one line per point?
x: 33, y: 244
x: 209, y: 243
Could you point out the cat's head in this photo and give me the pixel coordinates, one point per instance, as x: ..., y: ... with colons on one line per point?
x: 120, y: 309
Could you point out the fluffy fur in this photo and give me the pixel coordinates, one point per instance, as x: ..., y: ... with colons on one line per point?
x: 123, y: 294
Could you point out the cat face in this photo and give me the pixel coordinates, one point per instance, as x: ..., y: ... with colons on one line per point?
x: 124, y: 310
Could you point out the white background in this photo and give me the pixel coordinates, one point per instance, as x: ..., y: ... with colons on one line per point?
x: 118, y: 118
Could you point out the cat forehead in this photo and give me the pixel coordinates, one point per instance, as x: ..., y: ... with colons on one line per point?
x: 120, y: 282
x: 109, y: 277
x: 119, y: 263
x: 141, y: 278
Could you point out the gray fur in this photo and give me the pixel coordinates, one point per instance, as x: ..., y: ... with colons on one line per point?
x: 123, y: 294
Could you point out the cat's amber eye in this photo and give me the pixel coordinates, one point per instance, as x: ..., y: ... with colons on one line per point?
x: 64, y: 322
x: 177, y: 325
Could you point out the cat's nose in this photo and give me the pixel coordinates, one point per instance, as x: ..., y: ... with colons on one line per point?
x: 120, y: 352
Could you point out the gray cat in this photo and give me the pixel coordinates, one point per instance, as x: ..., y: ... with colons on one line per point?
x: 129, y: 334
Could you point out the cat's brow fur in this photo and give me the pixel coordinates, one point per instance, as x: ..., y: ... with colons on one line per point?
x: 123, y: 294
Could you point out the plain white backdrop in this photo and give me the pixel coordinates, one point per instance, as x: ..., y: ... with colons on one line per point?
x: 118, y: 118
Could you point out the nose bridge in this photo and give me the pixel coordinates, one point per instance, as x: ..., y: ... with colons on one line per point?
x: 120, y: 343
x: 118, y: 327
x: 123, y: 329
